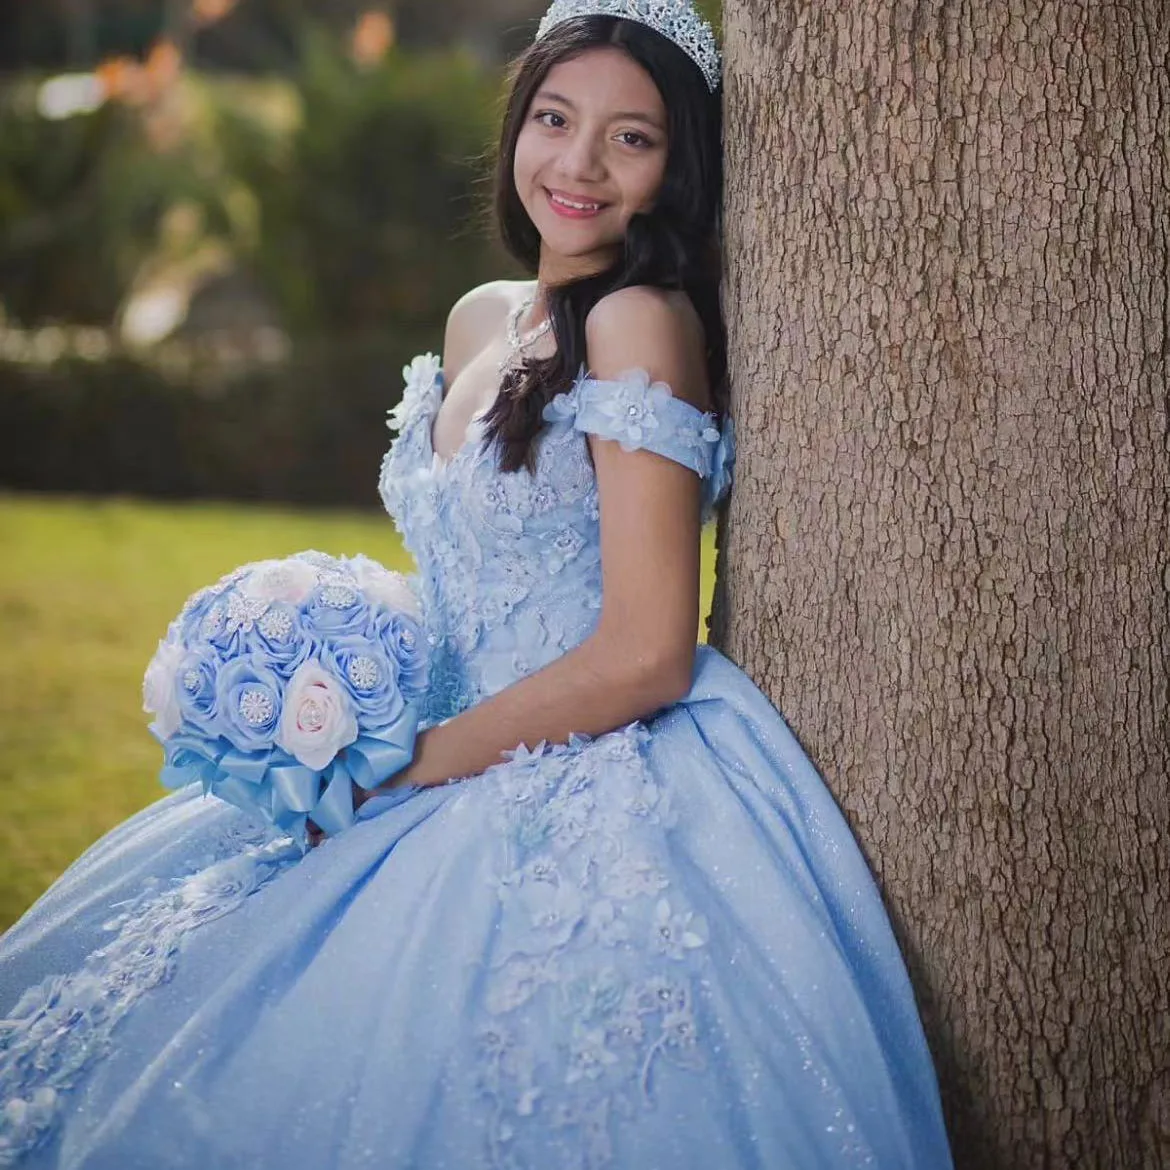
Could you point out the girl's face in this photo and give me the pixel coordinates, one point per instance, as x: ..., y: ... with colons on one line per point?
x: 594, y: 136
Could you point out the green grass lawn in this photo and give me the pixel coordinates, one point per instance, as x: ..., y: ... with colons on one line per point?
x: 86, y: 590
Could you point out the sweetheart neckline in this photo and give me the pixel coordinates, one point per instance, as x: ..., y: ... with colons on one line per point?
x: 469, y: 435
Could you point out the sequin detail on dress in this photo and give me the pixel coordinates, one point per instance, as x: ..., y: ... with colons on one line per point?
x: 592, y: 933
x: 58, y: 1028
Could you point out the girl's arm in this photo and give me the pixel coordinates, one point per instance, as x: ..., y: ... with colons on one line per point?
x: 641, y: 655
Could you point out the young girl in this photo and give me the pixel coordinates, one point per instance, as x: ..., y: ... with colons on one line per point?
x: 645, y: 940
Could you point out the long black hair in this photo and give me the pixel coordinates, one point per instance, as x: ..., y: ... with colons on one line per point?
x: 674, y: 246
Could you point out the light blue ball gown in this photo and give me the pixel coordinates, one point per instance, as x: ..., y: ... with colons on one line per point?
x: 652, y: 950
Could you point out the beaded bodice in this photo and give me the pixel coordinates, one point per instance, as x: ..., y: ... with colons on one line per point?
x: 510, y: 562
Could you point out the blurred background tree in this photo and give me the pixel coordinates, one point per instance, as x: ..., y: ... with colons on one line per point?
x: 223, y: 210
x: 339, y: 166
x: 371, y: 211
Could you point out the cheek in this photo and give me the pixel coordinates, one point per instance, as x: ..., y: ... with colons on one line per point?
x: 659, y: 172
x: 645, y: 186
x: 525, y: 163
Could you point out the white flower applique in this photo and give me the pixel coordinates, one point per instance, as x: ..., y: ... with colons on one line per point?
x: 564, y: 548
x: 631, y: 408
x: 65, y: 1023
x: 677, y: 933
x: 588, y: 933
x: 422, y: 386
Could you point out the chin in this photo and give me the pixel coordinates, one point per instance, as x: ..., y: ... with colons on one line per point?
x: 574, y: 241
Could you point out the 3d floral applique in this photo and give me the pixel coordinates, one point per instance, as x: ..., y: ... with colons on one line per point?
x: 65, y: 1023
x: 583, y: 903
x: 638, y: 413
x: 564, y: 547
x: 632, y: 410
x: 676, y: 932
x: 422, y: 392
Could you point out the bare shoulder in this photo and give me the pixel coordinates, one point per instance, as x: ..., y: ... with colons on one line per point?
x: 475, y: 319
x: 655, y: 329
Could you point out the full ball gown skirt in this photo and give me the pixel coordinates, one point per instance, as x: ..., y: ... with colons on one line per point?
x: 655, y: 949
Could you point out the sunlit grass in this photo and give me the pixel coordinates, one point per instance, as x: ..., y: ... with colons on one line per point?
x: 86, y: 589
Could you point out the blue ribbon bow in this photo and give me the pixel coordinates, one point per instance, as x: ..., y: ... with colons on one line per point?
x: 283, y: 790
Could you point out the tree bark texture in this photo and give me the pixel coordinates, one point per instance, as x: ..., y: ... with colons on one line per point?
x: 945, y: 557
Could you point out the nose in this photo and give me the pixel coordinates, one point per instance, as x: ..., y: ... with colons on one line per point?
x: 582, y: 160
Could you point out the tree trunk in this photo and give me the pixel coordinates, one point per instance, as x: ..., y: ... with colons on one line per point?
x: 945, y: 556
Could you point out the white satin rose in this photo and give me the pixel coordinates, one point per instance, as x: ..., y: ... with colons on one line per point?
x: 289, y: 581
x: 159, y: 697
x: 385, y: 587
x: 318, y: 718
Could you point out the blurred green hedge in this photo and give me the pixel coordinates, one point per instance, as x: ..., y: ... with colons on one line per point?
x: 307, y: 431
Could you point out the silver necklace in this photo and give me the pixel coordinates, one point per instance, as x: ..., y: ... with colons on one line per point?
x: 517, y: 342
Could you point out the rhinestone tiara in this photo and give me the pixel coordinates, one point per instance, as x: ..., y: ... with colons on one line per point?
x: 677, y: 20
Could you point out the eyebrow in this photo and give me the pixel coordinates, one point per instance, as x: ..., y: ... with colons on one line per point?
x: 627, y: 116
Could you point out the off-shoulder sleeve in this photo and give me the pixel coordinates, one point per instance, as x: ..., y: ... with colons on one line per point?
x: 641, y: 414
x: 421, y: 394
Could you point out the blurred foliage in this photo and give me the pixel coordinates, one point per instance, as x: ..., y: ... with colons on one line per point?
x: 374, y: 209
x: 356, y: 196
x: 713, y: 11
x: 246, y: 35
x: 351, y: 201
x: 81, y: 200
x: 226, y: 34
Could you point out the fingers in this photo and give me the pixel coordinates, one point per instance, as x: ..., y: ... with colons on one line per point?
x: 316, y: 834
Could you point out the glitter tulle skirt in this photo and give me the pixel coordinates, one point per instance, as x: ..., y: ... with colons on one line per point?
x: 659, y: 948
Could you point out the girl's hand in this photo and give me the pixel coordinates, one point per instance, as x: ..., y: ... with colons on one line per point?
x: 316, y: 834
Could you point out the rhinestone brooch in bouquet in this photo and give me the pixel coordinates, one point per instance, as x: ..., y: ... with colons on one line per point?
x: 285, y: 681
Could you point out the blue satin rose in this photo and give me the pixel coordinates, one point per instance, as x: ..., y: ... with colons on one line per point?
x: 203, y: 618
x: 406, y: 645
x: 249, y: 699
x: 195, y: 688
x: 190, y: 619
x: 281, y: 639
x: 370, y: 677
x: 336, y: 608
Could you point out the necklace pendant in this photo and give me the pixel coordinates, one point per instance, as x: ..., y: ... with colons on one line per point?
x: 517, y: 342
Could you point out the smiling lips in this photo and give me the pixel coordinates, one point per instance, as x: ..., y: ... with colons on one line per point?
x: 574, y: 207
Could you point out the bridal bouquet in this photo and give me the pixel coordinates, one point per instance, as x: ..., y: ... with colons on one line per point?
x: 287, y: 680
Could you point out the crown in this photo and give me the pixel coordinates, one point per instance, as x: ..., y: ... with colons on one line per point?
x: 677, y: 20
